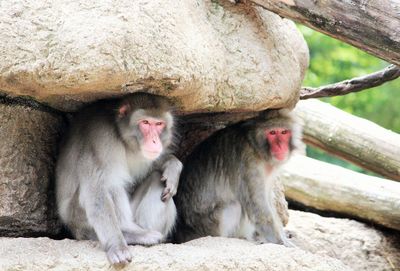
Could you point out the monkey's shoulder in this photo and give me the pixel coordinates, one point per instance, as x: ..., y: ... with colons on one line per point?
x: 221, y: 148
x: 91, y: 131
x: 236, y: 131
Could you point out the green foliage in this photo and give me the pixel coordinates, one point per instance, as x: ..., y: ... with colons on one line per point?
x: 332, y: 61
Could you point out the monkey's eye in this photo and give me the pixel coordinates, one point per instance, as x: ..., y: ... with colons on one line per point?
x: 159, y: 123
x: 284, y: 132
x: 272, y: 132
x: 145, y: 122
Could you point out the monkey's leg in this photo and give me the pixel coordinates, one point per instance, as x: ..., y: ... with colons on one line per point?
x: 276, y: 225
x: 122, y: 208
x: 149, y: 211
x: 229, y: 219
x: 220, y: 220
x: 100, y: 212
x: 262, y: 212
x: 76, y: 220
x: 132, y: 232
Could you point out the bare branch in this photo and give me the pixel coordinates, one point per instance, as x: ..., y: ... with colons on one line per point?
x: 352, y: 85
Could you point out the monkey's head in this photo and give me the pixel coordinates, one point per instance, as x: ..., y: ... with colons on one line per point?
x: 277, y: 133
x: 145, y: 123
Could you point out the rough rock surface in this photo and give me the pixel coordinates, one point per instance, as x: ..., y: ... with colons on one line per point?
x: 356, y: 244
x: 208, y: 55
x: 201, y: 254
x: 28, y: 144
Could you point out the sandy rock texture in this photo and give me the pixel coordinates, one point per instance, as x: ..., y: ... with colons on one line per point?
x: 201, y: 254
x: 28, y: 143
x: 356, y: 244
x: 207, y: 55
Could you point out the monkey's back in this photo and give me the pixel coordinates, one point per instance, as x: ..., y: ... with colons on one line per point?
x: 90, y: 132
x: 212, y: 175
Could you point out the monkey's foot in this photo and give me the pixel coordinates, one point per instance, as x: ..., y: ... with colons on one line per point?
x: 146, y: 238
x: 288, y: 243
x: 119, y: 255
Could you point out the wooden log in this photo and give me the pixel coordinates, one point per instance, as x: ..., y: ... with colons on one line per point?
x: 332, y: 188
x: 352, y: 138
x: 372, y: 26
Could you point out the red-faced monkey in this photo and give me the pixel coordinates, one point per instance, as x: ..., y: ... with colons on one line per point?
x: 115, y: 176
x: 226, y: 186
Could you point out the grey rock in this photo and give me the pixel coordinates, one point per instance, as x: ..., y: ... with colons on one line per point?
x: 28, y: 146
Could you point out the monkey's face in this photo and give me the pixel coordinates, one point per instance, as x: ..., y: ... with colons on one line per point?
x: 151, y: 129
x: 145, y: 130
x: 278, y: 139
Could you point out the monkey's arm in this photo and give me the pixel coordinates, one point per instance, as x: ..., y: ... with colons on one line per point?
x: 261, y: 209
x: 100, y: 212
x: 171, y: 170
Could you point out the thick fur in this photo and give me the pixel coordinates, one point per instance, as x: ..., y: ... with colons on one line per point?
x: 226, y: 186
x: 99, y: 167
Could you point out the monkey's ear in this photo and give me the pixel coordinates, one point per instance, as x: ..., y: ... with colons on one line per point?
x: 123, y: 110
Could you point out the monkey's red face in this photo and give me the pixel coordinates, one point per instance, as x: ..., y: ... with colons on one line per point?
x: 279, y: 142
x: 151, y: 129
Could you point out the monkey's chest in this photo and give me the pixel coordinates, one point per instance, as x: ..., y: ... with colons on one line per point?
x: 268, y: 174
x: 137, y: 166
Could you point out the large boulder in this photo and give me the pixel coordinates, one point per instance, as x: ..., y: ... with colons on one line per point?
x: 207, y: 55
x: 28, y: 146
x: 202, y: 254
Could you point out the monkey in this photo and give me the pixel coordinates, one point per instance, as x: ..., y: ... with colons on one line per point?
x: 115, y: 174
x: 226, y: 186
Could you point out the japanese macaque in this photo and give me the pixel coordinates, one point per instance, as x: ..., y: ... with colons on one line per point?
x: 115, y: 175
x: 226, y: 186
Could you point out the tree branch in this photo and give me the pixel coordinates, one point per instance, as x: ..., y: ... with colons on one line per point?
x: 352, y: 85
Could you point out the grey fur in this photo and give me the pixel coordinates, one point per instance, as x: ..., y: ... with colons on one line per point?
x: 226, y: 186
x: 101, y: 169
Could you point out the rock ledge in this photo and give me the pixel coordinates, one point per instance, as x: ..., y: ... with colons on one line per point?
x: 207, y: 253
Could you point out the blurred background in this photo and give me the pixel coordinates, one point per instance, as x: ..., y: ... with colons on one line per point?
x: 332, y: 61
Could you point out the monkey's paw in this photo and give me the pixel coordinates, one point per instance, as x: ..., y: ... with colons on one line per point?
x: 150, y: 238
x: 170, y: 188
x: 167, y: 194
x: 170, y: 175
x: 119, y: 255
x: 288, y: 243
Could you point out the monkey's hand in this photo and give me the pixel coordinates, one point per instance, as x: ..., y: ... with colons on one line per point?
x: 171, y: 179
x: 170, y: 175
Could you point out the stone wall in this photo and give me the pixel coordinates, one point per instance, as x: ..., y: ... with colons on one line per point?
x: 28, y: 146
